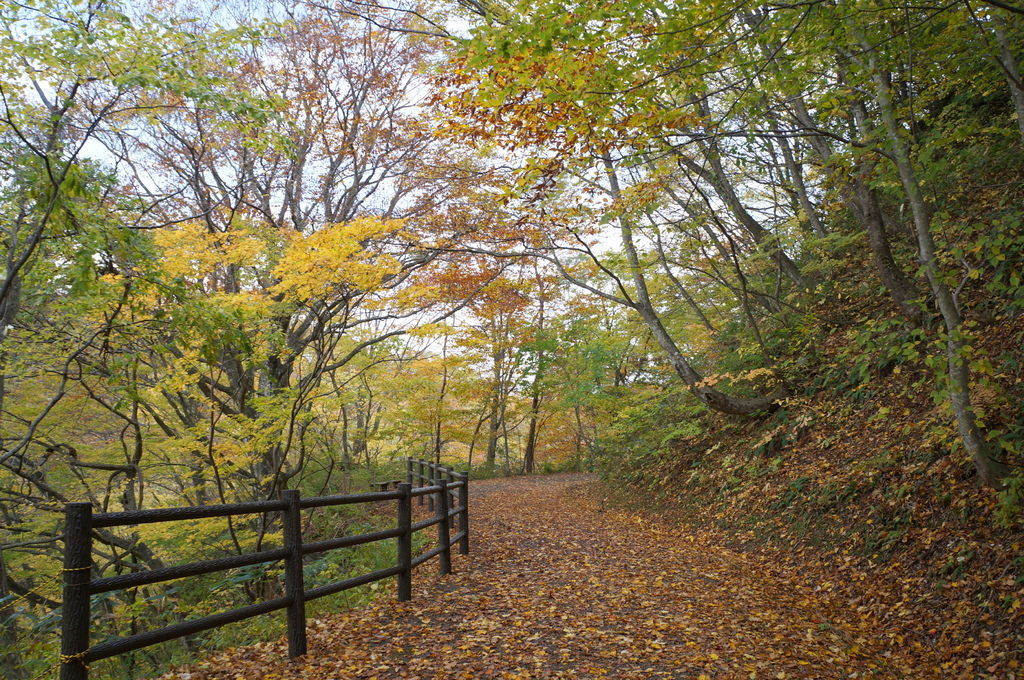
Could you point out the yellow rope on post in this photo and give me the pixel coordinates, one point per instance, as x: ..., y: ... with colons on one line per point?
x: 80, y: 658
x: 64, y: 658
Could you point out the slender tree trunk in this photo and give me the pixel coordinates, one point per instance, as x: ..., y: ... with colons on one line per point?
x: 9, y: 307
x: 714, y: 399
x: 743, y: 297
x: 723, y: 187
x: 440, y: 402
x: 890, y: 274
x: 796, y: 178
x: 531, y: 436
x: 1011, y: 71
x: 578, y: 439
x: 865, y: 203
x: 346, y: 449
x: 681, y: 289
x: 530, y: 452
x: 472, y: 442
x: 991, y: 470
x: 868, y: 211
x: 506, y: 452
x: 10, y: 663
x: 494, y: 424
x: 493, y: 428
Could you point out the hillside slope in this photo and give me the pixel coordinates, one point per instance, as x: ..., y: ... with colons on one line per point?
x: 861, y: 485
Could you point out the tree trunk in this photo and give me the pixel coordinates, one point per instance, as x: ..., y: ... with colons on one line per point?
x: 868, y: 212
x: 531, y: 436
x: 1010, y: 70
x: 991, y: 470
x: 714, y: 399
x: 681, y: 289
x: 494, y: 419
x: 10, y: 664
x: 720, y: 182
x: 438, y: 441
x: 472, y: 442
x: 796, y: 177
x: 891, y: 275
x: 866, y: 205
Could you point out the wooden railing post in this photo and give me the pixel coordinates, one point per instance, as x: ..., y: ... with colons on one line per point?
x: 75, y: 615
x: 464, y: 515
x: 443, y: 532
x: 408, y: 470
x: 294, y: 586
x: 405, y: 542
x: 431, y: 481
x: 419, y: 480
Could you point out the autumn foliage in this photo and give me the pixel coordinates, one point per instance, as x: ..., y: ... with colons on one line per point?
x: 758, y: 267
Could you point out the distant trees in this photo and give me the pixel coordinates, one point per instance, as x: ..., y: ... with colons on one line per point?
x: 239, y: 259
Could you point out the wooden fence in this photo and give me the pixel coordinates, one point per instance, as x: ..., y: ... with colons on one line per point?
x: 424, y: 479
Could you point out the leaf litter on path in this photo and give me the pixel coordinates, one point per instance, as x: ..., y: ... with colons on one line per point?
x: 557, y: 586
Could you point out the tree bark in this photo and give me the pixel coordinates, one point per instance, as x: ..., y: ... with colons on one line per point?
x: 1011, y: 71
x: 494, y: 419
x: 868, y: 212
x: 991, y: 470
x: 720, y: 182
x: 866, y: 205
x: 796, y: 177
x: 530, y: 452
x: 531, y: 437
x: 714, y: 399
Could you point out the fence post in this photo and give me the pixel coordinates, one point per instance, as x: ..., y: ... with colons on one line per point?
x: 446, y: 475
x: 464, y: 515
x: 419, y: 478
x: 74, y: 642
x: 453, y: 498
x: 408, y: 470
x: 405, y: 541
x: 443, y: 532
x: 294, y: 586
x: 431, y: 481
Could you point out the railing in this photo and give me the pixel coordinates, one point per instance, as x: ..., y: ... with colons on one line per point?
x: 79, y: 585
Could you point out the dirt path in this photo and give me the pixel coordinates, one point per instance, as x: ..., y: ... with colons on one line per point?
x: 557, y: 586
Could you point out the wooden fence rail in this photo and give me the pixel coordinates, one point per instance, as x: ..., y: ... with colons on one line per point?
x: 424, y: 479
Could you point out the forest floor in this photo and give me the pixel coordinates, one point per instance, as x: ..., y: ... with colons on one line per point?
x: 561, y: 585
